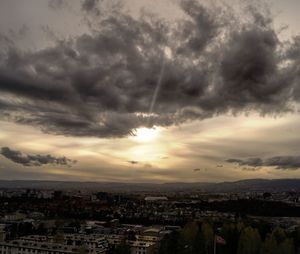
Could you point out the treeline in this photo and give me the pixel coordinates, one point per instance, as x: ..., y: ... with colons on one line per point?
x: 198, y: 238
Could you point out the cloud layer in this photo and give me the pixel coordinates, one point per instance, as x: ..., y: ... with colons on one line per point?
x: 34, y: 160
x: 105, y: 83
x: 279, y: 162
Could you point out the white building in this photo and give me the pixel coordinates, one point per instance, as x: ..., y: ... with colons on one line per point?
x: 91, y: 242
x: 152, y: 199
x: 141, y: 247
x: 25, y: 247
x: 36, y: 244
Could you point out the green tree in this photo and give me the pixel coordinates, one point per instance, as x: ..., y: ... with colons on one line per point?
x: 169, y: 244
x: 82, y: 249
x: 59, y: 237
x: 204, y: 239
x: 297, y: 239
x: 208, y: 237
x: 188, y: 238
x: 230, y: 233
x: 249, y: 242
x: 278, y: 243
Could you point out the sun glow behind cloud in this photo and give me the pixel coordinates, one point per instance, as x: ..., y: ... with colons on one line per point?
x: 147, y: 146
x: 146, y: 134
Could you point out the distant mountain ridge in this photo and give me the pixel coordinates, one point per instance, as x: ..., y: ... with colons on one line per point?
x: 236, y: 186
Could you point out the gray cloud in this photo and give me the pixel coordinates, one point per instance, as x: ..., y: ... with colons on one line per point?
x: 91, y: 6
x: 102, y: 84
x: 284, y: 162
x: 133, y: 162
x: 145, y: 165
x: 199, y: 169
x: 279, y: 162
x: 34, y: 160
x: 254, y: 162
x: 56, y: 4
x: 250, y: 169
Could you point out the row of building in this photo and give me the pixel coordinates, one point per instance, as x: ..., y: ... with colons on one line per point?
x: 139, y: 240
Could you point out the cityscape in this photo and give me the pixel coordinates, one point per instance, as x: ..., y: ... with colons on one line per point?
x: 174, y: 221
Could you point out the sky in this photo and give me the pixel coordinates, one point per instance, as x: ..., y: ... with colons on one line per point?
x: 149, y: 91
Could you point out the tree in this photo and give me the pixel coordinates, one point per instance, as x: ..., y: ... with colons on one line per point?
x: 230, y: 233
x: 188, y: 237
x: 59, y: 237
x: 82, y: 249
x: 169, y: 244
x: 249, y: 242
x: 278, y: 243
x: 208, y: 237
x: 297, y: 239
x: 204, y: 240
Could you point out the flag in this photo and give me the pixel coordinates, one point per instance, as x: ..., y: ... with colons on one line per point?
x: 220, y: 240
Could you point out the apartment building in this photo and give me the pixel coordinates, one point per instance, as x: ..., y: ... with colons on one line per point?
x: 36, y: 244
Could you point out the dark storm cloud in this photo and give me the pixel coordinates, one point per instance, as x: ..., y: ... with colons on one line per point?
x: 279, y: 162
x: 103, y: 83
x: 34, y: 160
x: 254, y: 162
x: 196, y: 33
x: 284, y: 162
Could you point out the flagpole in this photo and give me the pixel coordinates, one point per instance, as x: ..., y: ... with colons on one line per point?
x: 215, y: 244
